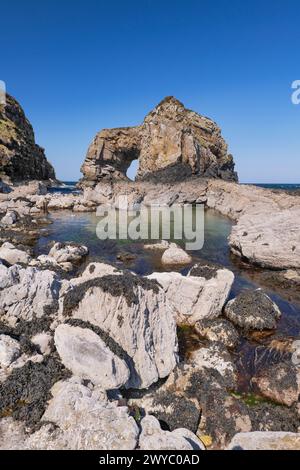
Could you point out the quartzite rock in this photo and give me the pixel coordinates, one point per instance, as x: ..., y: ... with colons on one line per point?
x: 195, y: 297
x: 131, y: 313
x: 28, y: 293
x: 86, y: 355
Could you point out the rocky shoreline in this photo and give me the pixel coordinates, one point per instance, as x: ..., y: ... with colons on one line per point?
x: 267, y: 223
x: 104, y: 345
x: 45, y: 315
x: 96, y: 356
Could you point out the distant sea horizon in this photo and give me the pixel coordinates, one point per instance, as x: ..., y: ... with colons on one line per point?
x: 70, y: 186
x: 283, y: 186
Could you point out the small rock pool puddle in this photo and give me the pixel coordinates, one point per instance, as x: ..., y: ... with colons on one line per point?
x: 255, y: 350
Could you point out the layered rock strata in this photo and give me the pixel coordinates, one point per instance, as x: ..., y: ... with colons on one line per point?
x: 21, y: 158
x: 172, y: 143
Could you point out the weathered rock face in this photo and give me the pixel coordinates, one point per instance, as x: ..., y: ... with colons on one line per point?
x: 172, y: 143
x: 131, y: 315
x: 77, y: 418
x: 86, y: 355
x: 21, y: 158
x: 198, y: 295
x: 27, y: 293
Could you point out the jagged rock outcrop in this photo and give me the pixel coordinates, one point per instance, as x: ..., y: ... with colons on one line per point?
x: 27, y: 293
x: 131, y: 315
x: 172, y: 143
x: 21, y: 158
x: 196, y: 296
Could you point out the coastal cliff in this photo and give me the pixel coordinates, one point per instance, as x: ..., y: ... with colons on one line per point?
x: 21, y: 159
x: 173, y: 143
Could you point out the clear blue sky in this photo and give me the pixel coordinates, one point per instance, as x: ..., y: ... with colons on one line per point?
x: 78, y: 66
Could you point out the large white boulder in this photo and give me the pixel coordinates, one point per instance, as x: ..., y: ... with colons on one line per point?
x: 174, y: 255
x: 10, y: 254
x: 194, y: 297
x: 134, y: 312
x: 29, y: 293
x: 87, y: 356
x: 154, y: 438
x: 68, y: 252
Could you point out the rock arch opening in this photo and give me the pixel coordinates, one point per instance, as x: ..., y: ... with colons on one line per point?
x: 132, y: 170
x: 172, y: 143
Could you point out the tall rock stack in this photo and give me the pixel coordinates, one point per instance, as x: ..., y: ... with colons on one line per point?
x: 21, y: 159
x: 172, y: 143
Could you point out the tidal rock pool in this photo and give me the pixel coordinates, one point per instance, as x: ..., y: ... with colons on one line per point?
x: 255, y: 349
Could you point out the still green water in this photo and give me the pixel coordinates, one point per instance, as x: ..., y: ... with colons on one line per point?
x: 81, y: 228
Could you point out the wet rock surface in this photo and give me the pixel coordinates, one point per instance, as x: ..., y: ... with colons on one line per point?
x: 219, y: 330
x: 280, y: 383
x: 253, y: 310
